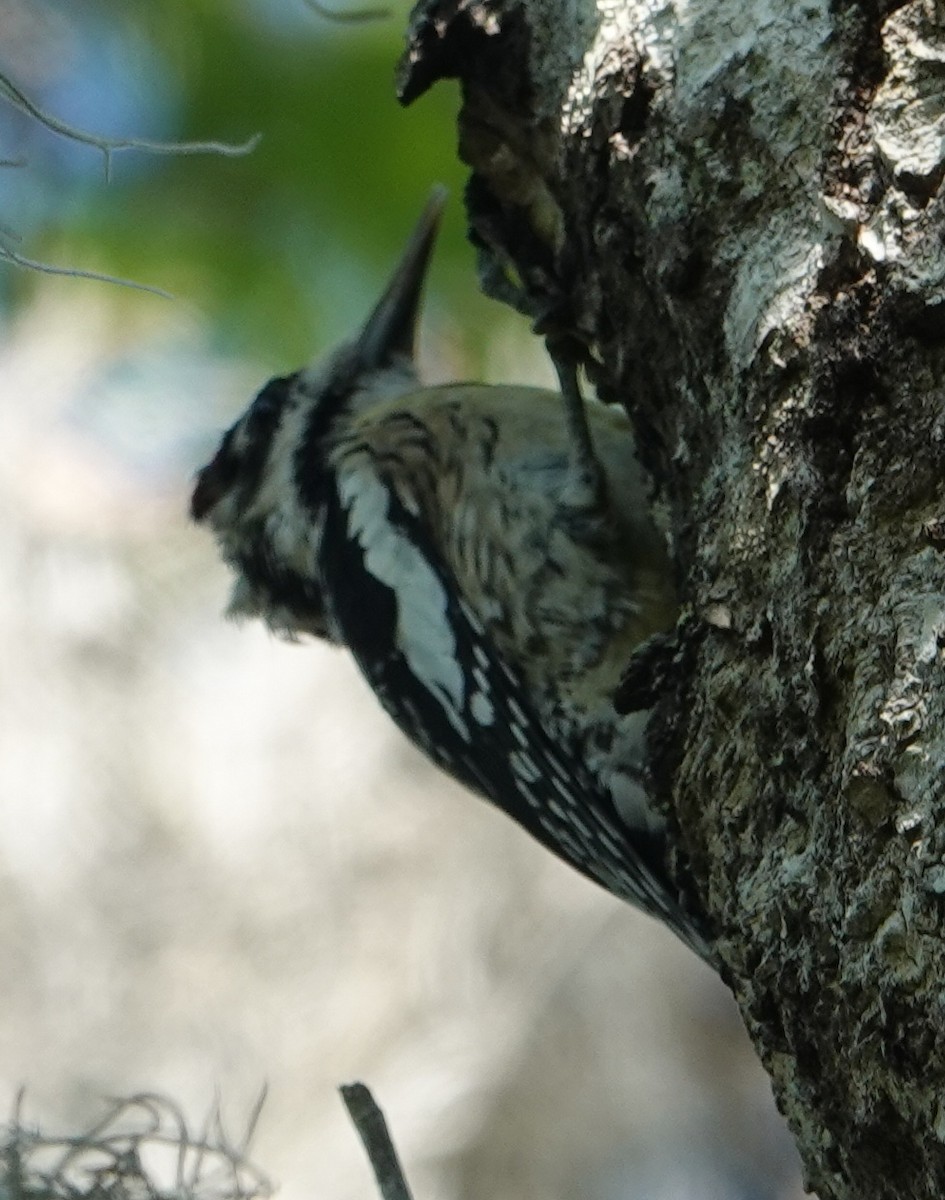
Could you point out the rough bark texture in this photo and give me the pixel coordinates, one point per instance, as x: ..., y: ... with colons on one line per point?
x: 739, y: 206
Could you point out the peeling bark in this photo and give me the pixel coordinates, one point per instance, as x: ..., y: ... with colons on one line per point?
x: 738, y: 205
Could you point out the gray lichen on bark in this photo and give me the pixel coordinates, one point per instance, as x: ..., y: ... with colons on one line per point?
x: 738, y: 206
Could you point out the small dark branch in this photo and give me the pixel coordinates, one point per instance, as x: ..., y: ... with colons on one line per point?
x: 375, y: 1137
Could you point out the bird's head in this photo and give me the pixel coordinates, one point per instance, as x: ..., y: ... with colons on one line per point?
x: 263, y: 491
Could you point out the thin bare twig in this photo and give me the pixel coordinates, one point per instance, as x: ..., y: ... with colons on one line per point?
x: 106, y: 1162
x: 355, y: 16
x: 108, y: 146
x: 34, y: 264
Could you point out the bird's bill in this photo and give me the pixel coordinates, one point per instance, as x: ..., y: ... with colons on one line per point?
x: 390, y: 330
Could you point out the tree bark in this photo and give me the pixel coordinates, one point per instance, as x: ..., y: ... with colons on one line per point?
x: 738, y: 206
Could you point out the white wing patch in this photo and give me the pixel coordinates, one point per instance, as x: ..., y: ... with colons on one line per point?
x: 525, y: 767
x: 423, y: 628
x: 481, y: 708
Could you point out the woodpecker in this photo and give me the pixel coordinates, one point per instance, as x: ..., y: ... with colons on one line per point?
x: 486, y: 554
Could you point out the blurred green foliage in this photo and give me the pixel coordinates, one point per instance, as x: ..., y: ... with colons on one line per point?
x: 282, y: 249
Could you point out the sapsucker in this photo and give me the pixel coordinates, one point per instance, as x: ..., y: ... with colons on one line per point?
x: 486, y: 554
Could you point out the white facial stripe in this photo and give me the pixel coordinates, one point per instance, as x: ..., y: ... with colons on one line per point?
x: 277, y: 491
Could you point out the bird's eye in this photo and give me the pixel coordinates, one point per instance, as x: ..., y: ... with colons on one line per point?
x: 241, y: 459
x: 215, y: 479
x: 268, y: 405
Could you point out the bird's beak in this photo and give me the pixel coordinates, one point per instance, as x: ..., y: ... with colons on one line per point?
x: 390, y: 330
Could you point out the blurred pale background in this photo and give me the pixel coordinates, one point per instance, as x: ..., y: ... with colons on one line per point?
x: 220, y: 865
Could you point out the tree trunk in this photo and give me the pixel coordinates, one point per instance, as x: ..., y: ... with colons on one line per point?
x: 738, y: 206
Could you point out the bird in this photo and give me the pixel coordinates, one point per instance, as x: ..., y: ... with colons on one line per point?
x: 487, y: 555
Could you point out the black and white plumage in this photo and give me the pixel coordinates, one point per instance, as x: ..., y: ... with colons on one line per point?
x: 490, y: 571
